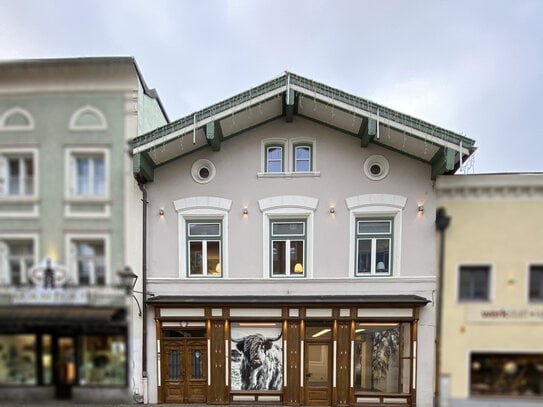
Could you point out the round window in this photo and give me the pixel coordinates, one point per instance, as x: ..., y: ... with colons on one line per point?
x: 376, y: 167
x: 203, y: 171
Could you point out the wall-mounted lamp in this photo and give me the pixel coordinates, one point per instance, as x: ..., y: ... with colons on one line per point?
x: 161, y: 212
x: 245, y: 211
x: 511, y: 280
x: 420, y: 209
x: 332, y: 210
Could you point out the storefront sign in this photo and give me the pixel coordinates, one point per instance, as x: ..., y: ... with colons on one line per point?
x: 505, y: 314
x: 52, y: 296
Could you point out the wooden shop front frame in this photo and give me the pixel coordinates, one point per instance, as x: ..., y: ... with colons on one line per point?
x: 314, y: 350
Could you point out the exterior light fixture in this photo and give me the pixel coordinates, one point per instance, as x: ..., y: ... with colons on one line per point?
x: 245, y: 211
x: 128, y: 280
x: 420, y: 209
x: 161, y: 212
x: 332, y: 210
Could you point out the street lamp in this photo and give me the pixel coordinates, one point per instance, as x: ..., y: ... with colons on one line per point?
x: 128, y: 281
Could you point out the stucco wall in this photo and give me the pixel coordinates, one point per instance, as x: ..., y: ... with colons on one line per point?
x: 506, y: 234
x: 339, y: 159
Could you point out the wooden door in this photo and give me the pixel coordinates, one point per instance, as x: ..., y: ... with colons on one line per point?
x: 184, y: 371
x: 317, y: 382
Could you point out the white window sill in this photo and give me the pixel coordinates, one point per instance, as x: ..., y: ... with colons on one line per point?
x: 19, y: 198
x: 288, y: 174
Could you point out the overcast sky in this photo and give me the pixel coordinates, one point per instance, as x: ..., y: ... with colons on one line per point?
x: 474, y: 67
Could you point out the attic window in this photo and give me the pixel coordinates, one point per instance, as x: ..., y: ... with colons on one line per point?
x: 203, y: 171
x: 376, y: 167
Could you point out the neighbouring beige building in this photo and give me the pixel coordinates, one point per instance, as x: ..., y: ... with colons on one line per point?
x: 492, y: 310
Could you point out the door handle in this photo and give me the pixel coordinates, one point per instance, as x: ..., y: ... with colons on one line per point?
x: 308, y: 375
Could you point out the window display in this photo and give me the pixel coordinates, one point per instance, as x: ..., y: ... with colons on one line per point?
x: 382, y: 357
x: 256, y: 356
x: 103, y: 360
x: 18, y: 360
x: 507, y: 374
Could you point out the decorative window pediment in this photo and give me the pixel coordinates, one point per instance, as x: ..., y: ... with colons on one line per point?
x: 16, y: 118
x: 88, y: 118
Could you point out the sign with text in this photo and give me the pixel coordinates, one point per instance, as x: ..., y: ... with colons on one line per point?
x: 504, y: 314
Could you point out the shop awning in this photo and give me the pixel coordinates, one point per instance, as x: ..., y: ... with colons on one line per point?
x: 342, y: 300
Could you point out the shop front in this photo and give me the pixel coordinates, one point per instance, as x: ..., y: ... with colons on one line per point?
x: 60, y: 342
x: 308, y: 350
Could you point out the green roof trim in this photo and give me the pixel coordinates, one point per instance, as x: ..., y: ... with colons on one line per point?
x: 311, y: 88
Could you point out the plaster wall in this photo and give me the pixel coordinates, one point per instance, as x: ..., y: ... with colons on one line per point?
x: 506, y: 234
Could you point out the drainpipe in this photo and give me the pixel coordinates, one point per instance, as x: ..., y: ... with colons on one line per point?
x: 144, y: 295
x: 442, y: 223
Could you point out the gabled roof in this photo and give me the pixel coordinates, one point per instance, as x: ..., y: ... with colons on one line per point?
x: 291, y: 95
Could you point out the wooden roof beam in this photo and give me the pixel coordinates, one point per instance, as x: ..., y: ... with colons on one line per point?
x: 289, y: 104
x: 367, y: 131
x: 214, y: 135
x: 143, y: 168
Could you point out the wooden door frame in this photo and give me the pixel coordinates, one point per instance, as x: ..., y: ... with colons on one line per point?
x: 329, y: 362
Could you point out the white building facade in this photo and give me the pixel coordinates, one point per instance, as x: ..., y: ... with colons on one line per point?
x: 290, y: 250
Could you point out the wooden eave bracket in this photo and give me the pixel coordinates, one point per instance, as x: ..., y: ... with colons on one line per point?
x: 214, y: 135
x: 443, y: 161
x: 367, y: 131
x: 289, y: 104
x: 143, y: 168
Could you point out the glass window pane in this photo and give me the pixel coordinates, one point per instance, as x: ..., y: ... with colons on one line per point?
x: 382, y: 256
x: 196, y: 259
x: 18, y: 360
x: 82, y: 176
x: 197, y: 365
x: 47, y: 360
x: 536, y: 283
x: 377, y: 361
x: 274, y: 159
x: 103, y: 360
x: 474, y: 281
x: 317, y: 361
x: 364, y: 256
x: 213, y: 257
x: 288, y: 228
x: 296, y: 257
x: 204, y: 229
x: 374, y: 227
x: 175, y: 368
x: 302, y: 159
x: 504, y: 374
x: 99, y: 176
x: 278, y: 257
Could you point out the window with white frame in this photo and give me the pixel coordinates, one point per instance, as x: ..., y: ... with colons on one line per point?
x: 376, y: 230
x: 287, y: 241
x: 90, y: 261
x: 17, y: 174
x: 284, y: 157
x: 203, y: 236
x: 302, y: 158
x: 204, y: 248
x: 16, y: 258
x: 536, y: 283
x: 373, y: 247
x: 88, y: 174
x: 274, y: 157
x: 474, y: 283
x: 288, y: 236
